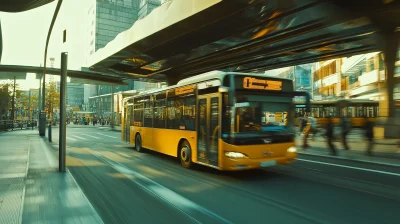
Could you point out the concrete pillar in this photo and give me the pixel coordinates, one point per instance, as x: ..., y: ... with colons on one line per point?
x: 390, y: 48
x: 388, y: 125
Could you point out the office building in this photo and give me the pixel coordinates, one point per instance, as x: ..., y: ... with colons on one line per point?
x: 75, y: 95
x: 300, y: 74
x: 146, y: 6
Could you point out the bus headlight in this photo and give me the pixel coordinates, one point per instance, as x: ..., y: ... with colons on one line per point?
x: 292, y: 149
x: 235, y: 155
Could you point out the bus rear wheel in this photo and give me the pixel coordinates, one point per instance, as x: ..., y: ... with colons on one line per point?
x: 185, y: 154
x: 138, y: 143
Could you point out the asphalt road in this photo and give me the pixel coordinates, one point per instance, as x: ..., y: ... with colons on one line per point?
x: 125, y: 186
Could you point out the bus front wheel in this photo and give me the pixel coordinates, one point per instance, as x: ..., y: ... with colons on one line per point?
x: 185, y: 153
x: 138, y: 143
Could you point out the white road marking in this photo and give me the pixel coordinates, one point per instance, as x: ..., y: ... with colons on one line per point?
x: 179, y: 202
x: 79, y: 137
x: 352, y: 167
x: 72, y: 139
x: 91, y: 136
x: 107, y: 135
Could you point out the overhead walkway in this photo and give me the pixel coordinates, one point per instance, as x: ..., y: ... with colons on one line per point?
x: 182, y: 38
x: 88, y: 77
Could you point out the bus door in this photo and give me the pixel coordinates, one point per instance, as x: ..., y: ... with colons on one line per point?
x: 127, y: 116
x: 208, y: 129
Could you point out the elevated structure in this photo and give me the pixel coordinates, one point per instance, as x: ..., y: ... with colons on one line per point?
x: 21, y: 5
x: 182, y: 38
x: 88, y: 77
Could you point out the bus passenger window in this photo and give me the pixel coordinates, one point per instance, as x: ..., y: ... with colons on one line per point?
x: 148, y: 113
x: 160, y: 113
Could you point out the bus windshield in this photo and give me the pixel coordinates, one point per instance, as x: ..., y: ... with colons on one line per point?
x: 260, y: 113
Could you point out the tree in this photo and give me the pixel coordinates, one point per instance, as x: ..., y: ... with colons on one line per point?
x: 6, y: 90
x: 21, y: 103
x: 4, y: 101
x: 52, y: 98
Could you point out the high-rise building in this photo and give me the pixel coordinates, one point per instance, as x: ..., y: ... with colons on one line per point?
x: 301, y: 75
x: 108, y: 18
x: 75, y: 95
x: 146, y: 6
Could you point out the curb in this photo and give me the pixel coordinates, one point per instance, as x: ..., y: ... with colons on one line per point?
x: 55, y: 149
x: 351, y: 160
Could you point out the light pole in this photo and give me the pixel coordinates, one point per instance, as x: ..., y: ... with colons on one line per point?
x: 42, y: 126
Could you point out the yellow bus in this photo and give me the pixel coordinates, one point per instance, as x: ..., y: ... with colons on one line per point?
x: 224, y: 120
x: 354, y: 109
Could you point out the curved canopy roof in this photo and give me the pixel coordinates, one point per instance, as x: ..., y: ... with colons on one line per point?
x: 183, y: 38
x: 21, y: 5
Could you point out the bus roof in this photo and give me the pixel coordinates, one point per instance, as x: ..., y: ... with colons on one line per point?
x: 217, y: 75
x: 212, y: 75
x: 343, y: 101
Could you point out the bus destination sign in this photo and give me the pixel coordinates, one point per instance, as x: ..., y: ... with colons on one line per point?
x: 184, y: 90
x: 261, y: 84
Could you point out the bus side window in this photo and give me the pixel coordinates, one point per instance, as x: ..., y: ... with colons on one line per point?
x: 189, y: 112
x: 170, y: 113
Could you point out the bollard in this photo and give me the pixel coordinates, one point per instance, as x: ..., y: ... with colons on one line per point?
x: 32, y: 124
x: 49, y: 134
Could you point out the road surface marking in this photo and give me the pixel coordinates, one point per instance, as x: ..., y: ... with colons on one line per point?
x: 107, y: 135
x: 72, y: 139
x: 174, y: 199
x: 91, y: 136
x: 352, y: 167
x: 79, y: 137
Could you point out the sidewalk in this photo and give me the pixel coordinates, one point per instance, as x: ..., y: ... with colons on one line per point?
x: 31, y: 189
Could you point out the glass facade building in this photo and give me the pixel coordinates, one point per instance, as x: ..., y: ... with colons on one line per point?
x: 301, y: 75
x: 113, y: 17
x: 75, y: 94
x: 146, y: 6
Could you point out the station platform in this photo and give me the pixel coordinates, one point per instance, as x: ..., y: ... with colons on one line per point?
x: 31, y: 188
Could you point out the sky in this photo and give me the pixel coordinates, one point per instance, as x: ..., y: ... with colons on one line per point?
x: 25, y: 33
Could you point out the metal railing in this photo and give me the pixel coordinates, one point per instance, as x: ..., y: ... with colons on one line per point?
x: 6, y: 125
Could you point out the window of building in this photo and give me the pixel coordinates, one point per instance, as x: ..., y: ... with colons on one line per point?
x: 371, y: 64
x: 381, y: 62
x: 397, y: 71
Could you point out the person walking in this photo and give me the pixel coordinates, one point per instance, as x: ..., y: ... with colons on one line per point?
x: 369, y: 135
x: 346, y: 127
x: 306, y: 125
x: 329, y: 136
x: 313, y: 126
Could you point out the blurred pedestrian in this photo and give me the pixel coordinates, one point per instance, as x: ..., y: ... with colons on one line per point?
x: 306, y: 125
x: 313, y: 126
x: 329, y: 136
x: 369, y: 134
x: 345, y: 125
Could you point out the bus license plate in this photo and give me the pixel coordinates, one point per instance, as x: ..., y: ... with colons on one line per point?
x: 268, y: 163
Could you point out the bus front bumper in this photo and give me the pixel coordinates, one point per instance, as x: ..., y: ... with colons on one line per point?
x: 247, y: 163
